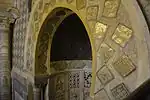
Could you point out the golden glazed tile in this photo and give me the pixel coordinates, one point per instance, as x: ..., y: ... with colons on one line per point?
x: 124, y: 66
x: 100, y: 30
x: 111, y: 7
x: 122, y: 35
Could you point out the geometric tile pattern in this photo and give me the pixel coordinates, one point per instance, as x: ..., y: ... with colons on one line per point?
x: 122, y: 35
x: 120, y: 92
x: 87, y: 79
x: 74, y: 79
x: 105, y: 75
x: 111, y: 8
x: 124, y: 66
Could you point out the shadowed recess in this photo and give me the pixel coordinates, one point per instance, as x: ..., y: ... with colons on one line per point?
x: 71, y: 41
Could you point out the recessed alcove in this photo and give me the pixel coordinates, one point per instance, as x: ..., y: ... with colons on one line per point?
x: 70, y: 61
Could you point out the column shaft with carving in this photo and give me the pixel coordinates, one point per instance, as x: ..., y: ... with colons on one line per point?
x: 4, y: 59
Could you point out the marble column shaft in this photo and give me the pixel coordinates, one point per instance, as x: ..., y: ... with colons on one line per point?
x: 4, y: 60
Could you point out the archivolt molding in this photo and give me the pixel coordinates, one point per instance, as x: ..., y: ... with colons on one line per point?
x: 118, y: 34
x: 45, y: 39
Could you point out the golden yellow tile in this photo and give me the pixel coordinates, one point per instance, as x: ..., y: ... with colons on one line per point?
x: 122, y: 35
x: 100, y: 30
x: 111, y: 7
x: 124, y: 66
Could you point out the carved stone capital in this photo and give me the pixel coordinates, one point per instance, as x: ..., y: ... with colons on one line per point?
x: 14, y: 14
x: 9, y: 15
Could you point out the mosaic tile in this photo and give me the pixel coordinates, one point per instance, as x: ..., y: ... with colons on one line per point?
x: 111, y: 7
x: 92, y: 12
x: 124, y: 66
x: 105, y: 75
x: 122, y: 35
x: 100, y: 30
x: 120, y: 92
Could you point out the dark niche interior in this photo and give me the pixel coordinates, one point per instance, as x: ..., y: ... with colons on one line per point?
x: 71, y: 41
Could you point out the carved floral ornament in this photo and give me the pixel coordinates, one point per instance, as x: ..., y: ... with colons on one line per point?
x: 116, y: 35
x: 11, y: 14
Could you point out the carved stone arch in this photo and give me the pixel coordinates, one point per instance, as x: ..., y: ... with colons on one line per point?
x: 119, y: 37
x: 45, y: 37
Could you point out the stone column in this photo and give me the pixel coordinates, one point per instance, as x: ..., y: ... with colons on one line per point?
x: 4, y: 59
x: 37, y: 93
x: 5, y: 72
